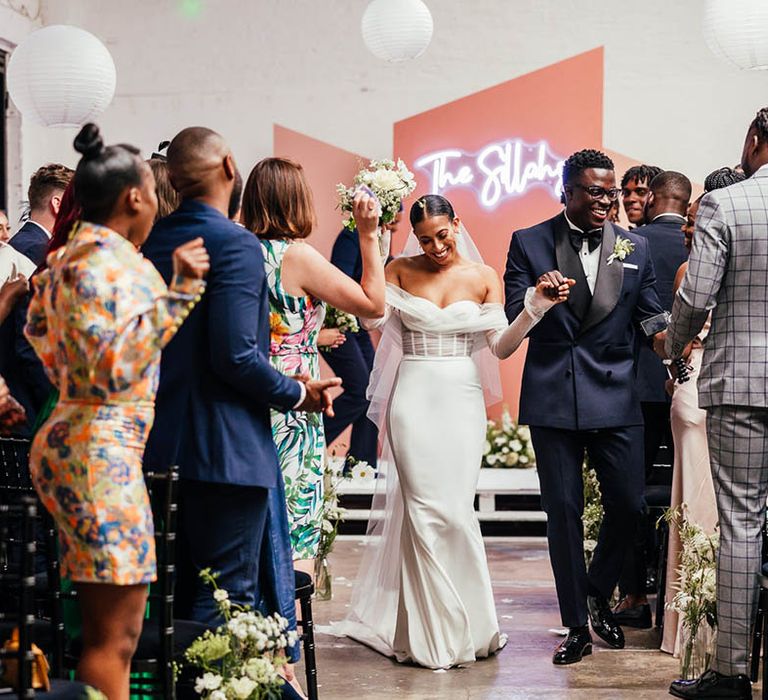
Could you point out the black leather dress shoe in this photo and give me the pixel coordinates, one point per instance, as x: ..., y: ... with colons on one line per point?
x: 638, y: 617
x: 603, y: 624
x: 712, y: 684
x: 576, y: 645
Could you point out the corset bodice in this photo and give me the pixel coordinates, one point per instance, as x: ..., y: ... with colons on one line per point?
x: 423, y: 344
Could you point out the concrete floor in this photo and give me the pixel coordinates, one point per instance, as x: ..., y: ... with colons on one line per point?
x: 527, y: 610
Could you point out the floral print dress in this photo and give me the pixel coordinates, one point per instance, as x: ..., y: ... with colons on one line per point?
x: 99, y: 317
x: 300, y: 439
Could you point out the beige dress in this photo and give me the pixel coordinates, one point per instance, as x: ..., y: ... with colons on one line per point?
x: 691, y: 479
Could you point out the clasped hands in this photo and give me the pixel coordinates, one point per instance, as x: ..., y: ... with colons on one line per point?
x: 318, y: 397
x: 555, y: 286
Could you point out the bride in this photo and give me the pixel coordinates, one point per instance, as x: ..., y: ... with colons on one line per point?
x: 424, y: 592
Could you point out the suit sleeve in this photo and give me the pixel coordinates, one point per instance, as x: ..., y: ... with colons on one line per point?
x: 518, y: 276
x: 29, y: 364
x: 648, y: 303
x: 235, y: 298
x: 698, y: 292
x: 346, y: 254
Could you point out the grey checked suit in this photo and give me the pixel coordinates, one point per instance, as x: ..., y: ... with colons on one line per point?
x: 728, y: 275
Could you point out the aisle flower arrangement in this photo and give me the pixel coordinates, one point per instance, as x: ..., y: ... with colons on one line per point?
x: 593, y: 510
x: 390, y: 181
x: 240, y: 660
x: 696, y: 597
x: 508, y: 445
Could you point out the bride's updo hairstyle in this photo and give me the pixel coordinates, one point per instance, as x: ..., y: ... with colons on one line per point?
x: 103, y: 173
x: 428, y: 206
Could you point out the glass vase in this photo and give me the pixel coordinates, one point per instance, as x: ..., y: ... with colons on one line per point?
x: 323, y: 580
x: 697, y: 647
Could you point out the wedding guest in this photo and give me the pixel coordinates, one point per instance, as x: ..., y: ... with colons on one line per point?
x: 5, y: 228
x: 18, y: 362
x: 578, y: 392
x: 217, y: 385
x: 726, y: 277
x: 277, y: 207
x: 613, y: 213
x: 167, y: 198
x: 691, y: 474
x: 665, y: 210
x: 98, y: 319
x: 353, y: 361
x: 635, y: 186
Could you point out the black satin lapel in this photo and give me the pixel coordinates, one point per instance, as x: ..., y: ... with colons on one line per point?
x: 609, y: 281
x: 570, y: 266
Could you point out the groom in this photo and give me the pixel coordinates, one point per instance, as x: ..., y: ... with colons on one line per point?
x: 578, y: 393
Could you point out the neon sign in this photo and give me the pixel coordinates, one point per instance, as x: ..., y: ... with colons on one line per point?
x: 499, y: 171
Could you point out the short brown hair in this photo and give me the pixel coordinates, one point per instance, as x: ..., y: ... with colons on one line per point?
x: 168, y: 199
x: 45, y: 181
x: 277, y: 201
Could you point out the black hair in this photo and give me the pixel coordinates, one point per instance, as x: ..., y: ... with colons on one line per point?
x: 760, y: 124
x: 722, y: 177
x: 583, y: 160
x: 640, y: 173
x: 672, y: 185
x: 430, y: 205
x: 103, y: 173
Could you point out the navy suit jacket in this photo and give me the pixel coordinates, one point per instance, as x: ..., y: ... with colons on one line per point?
x: 347, y: 257
x: 667, y: 245
x: 19, y: 364
x: 216, y: 383
x: 580, y: 368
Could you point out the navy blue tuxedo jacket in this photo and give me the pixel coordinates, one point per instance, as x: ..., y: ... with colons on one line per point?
x: 667, y: 246
x: 216, y: 383
x: 347, y: 257
x: 19, y: 364
x: 580, y: 368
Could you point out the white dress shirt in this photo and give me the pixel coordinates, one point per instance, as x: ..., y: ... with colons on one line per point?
x: 589, y: 261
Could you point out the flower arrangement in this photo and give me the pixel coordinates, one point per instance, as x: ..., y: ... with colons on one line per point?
x: 390, y: 181
x: 696, y: 597
x: 621, y: 249
x: 240, y: 660
x: 593, y: 511
x: 334, y: 318
x: 508, y: 444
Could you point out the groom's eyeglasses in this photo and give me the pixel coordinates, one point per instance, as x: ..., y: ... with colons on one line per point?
x: 596, y: 192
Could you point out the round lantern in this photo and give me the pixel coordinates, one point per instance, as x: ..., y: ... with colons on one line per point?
x: 397, y: 30
x: 61, y: 76
x: 737, y: 30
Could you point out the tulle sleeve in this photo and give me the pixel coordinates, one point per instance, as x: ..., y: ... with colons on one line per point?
x: 503, y: 342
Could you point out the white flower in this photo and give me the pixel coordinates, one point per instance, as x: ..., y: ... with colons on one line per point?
x: 217, y: 695
x: 491, y: 459
x: 516, y: 445
x: 209, y: 681
x: 242, y: 687
x: 500, y: 440
x: 362, y: 471
x: 386, y: 180
x: 524, y: 433
x: 486, y: 447
x: 220, y: 595
x: 512, y: 459
x: 327, y: 526
x: 523, y: 459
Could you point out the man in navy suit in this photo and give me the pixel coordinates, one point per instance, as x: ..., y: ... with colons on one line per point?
x: 665, y: 212
x: 216, y: 383
x: 578, y: 391
x: 353, y: 360
x: 19, y: 364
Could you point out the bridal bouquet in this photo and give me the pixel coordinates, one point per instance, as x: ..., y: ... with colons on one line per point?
x: 334, y: 318
x: 508, y: 444
x: 241, y: 658
x: 391, y: 183
x: 696, y: 597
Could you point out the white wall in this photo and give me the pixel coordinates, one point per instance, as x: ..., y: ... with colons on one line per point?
x: 240, y: 65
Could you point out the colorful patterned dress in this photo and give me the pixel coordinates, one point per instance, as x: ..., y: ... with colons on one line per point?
x: 99, y: 317
x: 300, y: 439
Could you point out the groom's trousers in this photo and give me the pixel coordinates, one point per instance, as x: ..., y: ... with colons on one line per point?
x: 738, y: 453
x: 617, y: 457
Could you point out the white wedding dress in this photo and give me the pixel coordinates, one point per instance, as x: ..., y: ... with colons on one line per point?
x: 424, y: 593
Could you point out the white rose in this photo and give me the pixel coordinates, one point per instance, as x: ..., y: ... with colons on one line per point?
x: 242, y: 687
x: 523, y: 433
x: 516, y: 445
x: 386, y: 180
x: 512, y: 459
x: 209, y: 681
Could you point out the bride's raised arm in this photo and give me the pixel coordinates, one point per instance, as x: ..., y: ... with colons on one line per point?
x: 537, y: 302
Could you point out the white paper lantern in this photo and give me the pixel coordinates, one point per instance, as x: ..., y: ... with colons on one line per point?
x: 397, y: 30
x: 737, y: 31
x: 61, y: 76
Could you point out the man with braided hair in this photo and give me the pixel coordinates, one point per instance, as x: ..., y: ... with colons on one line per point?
x: 578, y: 393
x: 635, y: 188
x: 728, y: 276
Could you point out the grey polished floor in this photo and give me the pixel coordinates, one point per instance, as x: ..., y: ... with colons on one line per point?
x: 527, y: 609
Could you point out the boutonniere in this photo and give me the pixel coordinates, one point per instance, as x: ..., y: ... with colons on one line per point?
x: 621, y: 249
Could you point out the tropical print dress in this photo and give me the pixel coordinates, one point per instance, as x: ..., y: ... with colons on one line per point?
x: 99, y: 317
x: 299, y: 436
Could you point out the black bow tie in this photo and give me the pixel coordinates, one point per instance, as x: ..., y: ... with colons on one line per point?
x: 594, y: 237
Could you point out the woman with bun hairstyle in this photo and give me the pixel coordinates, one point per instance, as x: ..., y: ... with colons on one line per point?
x: 99, y: 317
